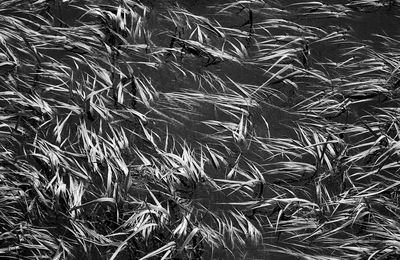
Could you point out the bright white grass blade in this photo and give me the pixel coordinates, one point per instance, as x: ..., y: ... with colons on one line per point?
x: 168, y: 247
x: 125, y: 242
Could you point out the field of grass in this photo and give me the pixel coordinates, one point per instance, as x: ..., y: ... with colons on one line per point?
x: 182, y: 130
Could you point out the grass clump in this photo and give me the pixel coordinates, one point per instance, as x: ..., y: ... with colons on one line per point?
x: 138, y: 130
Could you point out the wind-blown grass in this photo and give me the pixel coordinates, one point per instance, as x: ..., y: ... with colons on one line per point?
x: 146, y: 130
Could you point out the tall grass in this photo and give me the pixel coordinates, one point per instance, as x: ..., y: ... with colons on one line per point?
x: 138, y: 130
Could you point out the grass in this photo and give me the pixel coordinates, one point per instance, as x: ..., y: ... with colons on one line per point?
x: 147, y: 130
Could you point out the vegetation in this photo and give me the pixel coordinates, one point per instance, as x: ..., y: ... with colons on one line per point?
x: 170, y: 130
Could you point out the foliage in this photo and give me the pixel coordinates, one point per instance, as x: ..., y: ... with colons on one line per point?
x: 137, y: 130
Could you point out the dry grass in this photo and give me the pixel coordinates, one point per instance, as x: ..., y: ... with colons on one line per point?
x: 137, y: 130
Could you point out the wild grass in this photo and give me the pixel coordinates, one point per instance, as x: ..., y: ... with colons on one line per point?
x: 139, y: 130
